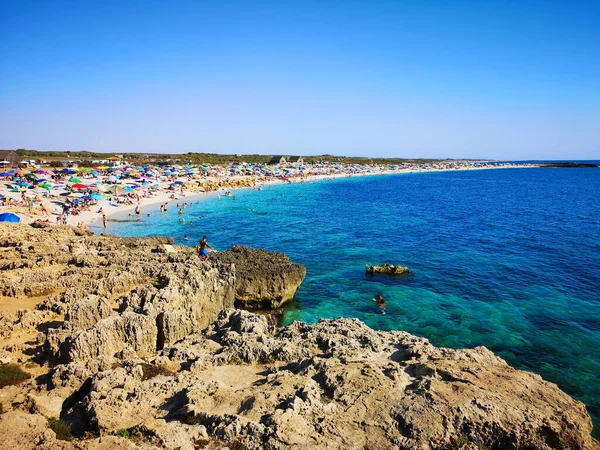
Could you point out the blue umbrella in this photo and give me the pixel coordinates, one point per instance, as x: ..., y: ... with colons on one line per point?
x: 5, y: 174
x: 97, y: 196
x: 9, y: 217
x: 178, y: 182
x: 128, y: 188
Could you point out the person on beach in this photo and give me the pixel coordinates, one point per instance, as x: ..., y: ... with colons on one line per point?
x: 202, y: 248
x: 137, y: 210
x: 104, y: 220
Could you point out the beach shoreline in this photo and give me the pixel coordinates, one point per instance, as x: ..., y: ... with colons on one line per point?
x: 146, y: 204
x: 92, y: 218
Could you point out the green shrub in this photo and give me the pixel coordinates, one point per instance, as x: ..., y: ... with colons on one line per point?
x: 133, y: 435
x: 61, y: 428
x: 11, y: 374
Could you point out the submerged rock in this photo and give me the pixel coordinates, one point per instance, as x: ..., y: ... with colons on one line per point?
x: 388, y: 269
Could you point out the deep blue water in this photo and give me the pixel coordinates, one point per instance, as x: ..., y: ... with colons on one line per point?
x: 509, y: 259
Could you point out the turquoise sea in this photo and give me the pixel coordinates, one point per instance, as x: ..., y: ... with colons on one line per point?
x: 509, y: 259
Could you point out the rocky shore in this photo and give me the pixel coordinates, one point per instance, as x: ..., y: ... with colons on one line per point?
x: 136, y: 343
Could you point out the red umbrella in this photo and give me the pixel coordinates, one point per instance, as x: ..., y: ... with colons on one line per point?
x: 79, y: 186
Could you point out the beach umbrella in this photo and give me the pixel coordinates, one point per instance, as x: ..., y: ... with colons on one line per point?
x: 68, y: 171
x: 102, y: 188
x: 23, y: 184
x: 96, y: 196
x: 85, y: 197
x: 86, y: 170
x: 45, y: 185
x: 74, y: 180
x: 112, y: 178
x: 5, y: 174
x: 79, y: 186
x: 9, y: 217
x: 128, y: 188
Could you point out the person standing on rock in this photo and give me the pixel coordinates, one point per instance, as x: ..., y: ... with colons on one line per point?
x: 202, y: 248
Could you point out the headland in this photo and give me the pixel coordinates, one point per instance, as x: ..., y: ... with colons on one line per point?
x: 136, y: 343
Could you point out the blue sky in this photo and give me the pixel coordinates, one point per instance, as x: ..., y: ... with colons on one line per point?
x: 490, y: 79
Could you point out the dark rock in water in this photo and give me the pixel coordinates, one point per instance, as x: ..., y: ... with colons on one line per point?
x: 569, y: 165
x: 388, y: 269
x: 262, y: 279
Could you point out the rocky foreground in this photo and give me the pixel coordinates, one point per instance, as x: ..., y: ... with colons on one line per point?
x: 135, y: 343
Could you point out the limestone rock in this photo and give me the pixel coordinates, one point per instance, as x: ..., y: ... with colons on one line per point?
x: 342, y: 385
x: 263, y: 279
x: 173, y: 363
x: 87, y: 312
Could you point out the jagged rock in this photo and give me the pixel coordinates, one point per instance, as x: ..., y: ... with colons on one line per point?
x: 388, y: 269
x: 345, y: 385
x: 7, y: 321
x: 263, y: 279
x: 182, y: 369
x: 111, y: 336
x: 87, y: 312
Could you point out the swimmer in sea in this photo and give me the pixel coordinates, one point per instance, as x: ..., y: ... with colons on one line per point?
x: 185, y: 238
x: 380, y: 302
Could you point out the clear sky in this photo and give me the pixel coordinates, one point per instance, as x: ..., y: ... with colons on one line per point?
x: 419, y: 78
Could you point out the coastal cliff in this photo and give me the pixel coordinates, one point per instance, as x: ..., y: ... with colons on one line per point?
x: 134, y: 343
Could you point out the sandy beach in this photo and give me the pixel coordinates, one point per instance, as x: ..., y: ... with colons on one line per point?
x: 20, y: 195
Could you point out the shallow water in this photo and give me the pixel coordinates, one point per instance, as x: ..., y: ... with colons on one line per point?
x: 509, y: 259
